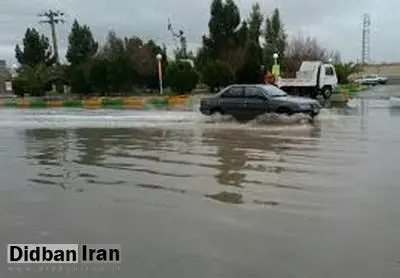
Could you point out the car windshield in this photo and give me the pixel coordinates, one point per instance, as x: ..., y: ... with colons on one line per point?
x: 272, y: 91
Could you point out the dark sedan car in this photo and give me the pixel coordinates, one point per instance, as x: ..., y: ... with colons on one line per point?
x: 245, y: 102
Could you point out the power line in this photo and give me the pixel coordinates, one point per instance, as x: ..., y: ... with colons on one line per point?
x: 53, y: 18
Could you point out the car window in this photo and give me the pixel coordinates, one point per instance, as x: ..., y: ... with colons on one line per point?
x: 272, y: 91
x: 252, y: 92
x: 234, y: 92
x: 329, y: 71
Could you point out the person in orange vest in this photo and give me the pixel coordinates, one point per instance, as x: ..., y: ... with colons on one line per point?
x: 270, y: 78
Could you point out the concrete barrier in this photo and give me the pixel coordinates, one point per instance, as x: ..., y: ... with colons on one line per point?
x: 55, y: 103
x: 134, y: 103
x: 183, y: 102
x: 92, y: 103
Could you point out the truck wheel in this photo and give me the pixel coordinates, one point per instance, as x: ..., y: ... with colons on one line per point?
x: 327, y: 92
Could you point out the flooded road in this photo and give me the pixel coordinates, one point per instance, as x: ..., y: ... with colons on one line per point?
x: 187, y: 196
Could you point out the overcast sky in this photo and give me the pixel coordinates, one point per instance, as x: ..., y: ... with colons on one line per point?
x: 336, y: 24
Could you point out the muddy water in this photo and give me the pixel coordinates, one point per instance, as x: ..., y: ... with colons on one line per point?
x: 188, y: 196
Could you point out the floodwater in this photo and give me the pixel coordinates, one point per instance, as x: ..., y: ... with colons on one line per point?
x: 189, y: 196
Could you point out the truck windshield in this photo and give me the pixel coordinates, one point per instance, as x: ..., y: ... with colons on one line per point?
x: 273, y: 91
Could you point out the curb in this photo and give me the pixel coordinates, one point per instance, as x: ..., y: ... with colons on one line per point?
x: 96, y: 103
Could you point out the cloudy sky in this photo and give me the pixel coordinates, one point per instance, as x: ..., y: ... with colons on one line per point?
x: 336, y: 24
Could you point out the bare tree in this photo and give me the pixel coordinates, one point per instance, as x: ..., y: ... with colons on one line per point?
x: 302, y: 48
x: 336, y: 57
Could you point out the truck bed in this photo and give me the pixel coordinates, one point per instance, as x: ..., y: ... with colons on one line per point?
x: 296, y: 82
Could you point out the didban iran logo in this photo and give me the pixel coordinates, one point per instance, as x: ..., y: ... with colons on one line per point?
x: 63, y: 253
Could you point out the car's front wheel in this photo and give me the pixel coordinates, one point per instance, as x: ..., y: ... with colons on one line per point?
x: 216, y: 111
x: 313, y: 115
x: 284, y: 111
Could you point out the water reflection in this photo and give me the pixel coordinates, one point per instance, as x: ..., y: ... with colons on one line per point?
x: 240, y: 151
x: 227, y: 197
x: 48, y: 149
x: 193, y: 162
x: 46, y: 146
x: 64, y: 156
x: 254, y: 158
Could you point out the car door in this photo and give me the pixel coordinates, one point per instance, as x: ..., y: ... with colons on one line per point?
x: 256, y: 102
x: 232, y: 100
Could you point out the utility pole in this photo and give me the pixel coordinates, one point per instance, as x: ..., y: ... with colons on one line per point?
x: 53, y: 18
x: 366, y: 39
x: 182, y: 50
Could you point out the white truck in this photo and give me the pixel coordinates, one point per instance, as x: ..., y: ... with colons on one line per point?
x: 312, y: 79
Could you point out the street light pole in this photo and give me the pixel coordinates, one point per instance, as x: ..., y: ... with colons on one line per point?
x: 275, y: 58
x: 275, y: 68
x: 159, y: 58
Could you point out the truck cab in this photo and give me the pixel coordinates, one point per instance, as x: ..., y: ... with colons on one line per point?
x: 312, y: 79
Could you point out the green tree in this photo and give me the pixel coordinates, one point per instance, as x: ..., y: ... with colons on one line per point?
x: 224, y: 21
x: 114, y: 46
x: 216, y: 74
x: 119, y: 68
x: 82, y: 45
x: 255, y: 22
x: 181, y: 77
x: 34, y: 81
x: 250, y: 71
x: 98, y: 75
x: 344, y: 70
x: 79, y: 80
x: 131, y: 62
x: 36, y: 50
x: 226, y: 37
x: 151, y: 51
x: 275, y: 38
